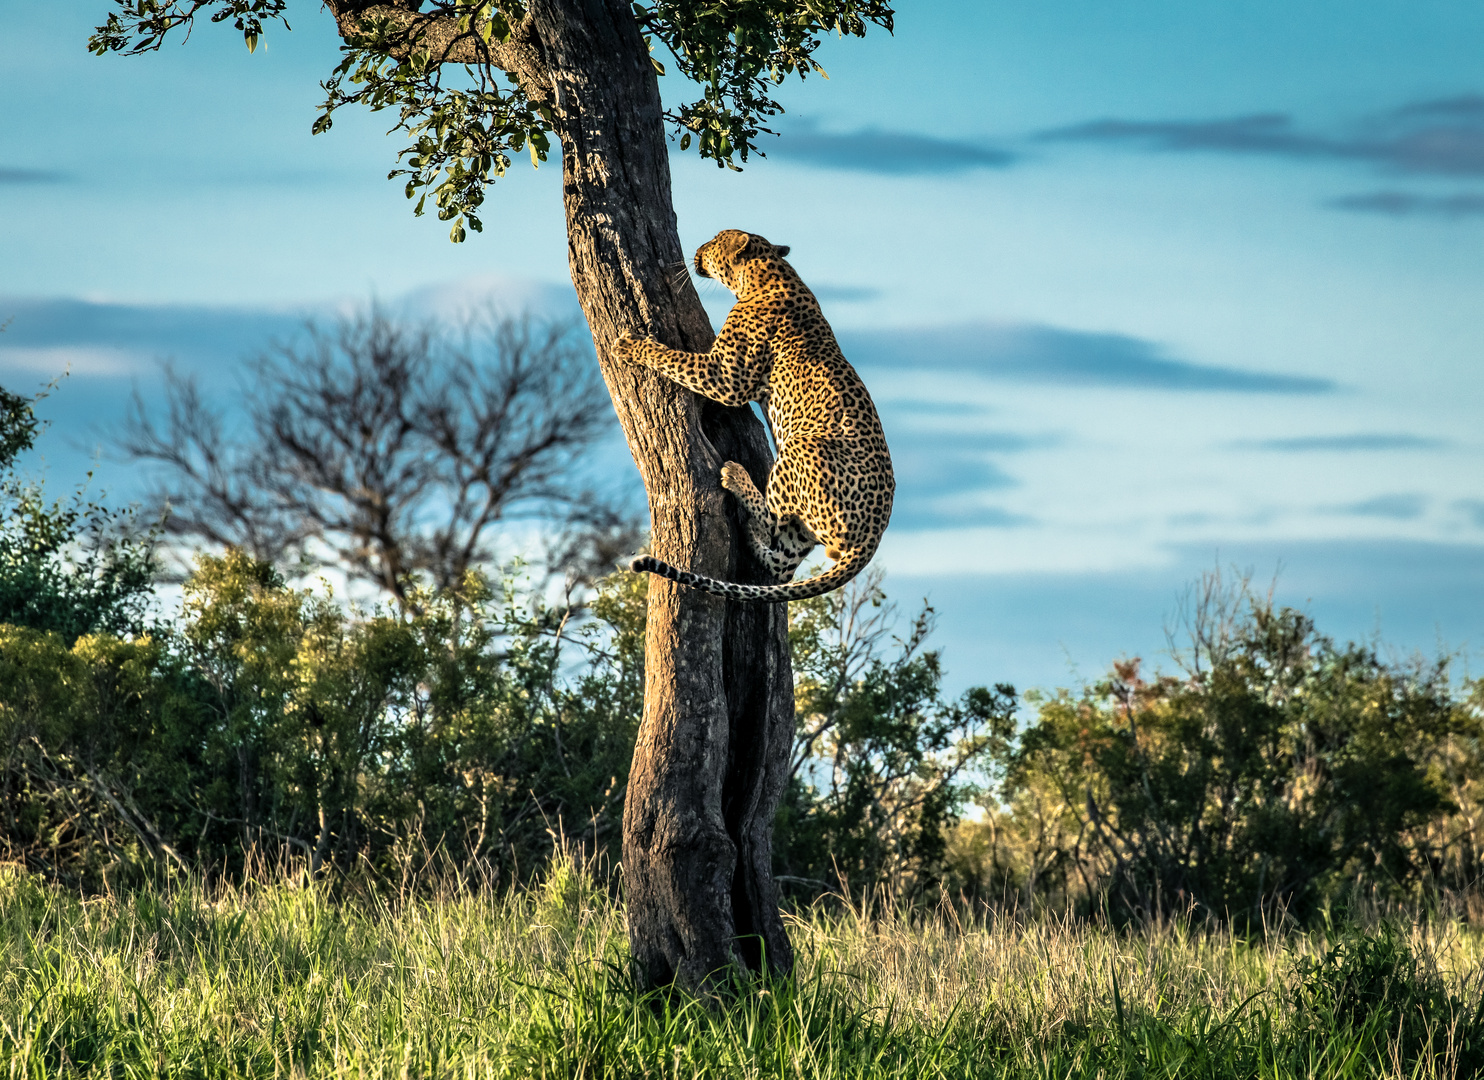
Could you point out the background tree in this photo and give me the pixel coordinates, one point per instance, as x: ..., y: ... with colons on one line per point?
x: 72, y: 565
x: 392, y: 451
x: 713, y: 749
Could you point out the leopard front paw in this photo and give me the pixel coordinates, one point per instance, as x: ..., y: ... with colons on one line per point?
x: 627, y: 344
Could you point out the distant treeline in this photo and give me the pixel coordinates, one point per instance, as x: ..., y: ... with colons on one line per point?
x: 465, y: 727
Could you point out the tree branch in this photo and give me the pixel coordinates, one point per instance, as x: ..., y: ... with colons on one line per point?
x: 437, y: 33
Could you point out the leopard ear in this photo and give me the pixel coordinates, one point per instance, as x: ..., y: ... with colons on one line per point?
x: 781, y: 250
x: 735, y: 243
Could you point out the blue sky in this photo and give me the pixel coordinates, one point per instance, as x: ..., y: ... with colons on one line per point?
x: 1138, y: 286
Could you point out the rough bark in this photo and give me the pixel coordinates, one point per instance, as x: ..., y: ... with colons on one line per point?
x: 714, y: 744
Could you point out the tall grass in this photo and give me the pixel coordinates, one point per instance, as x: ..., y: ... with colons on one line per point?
x: 272, y: 979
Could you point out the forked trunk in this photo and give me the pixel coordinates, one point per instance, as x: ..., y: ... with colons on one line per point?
x: 713, y: 749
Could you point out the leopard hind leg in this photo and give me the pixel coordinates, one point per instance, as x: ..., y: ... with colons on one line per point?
x: 794, y: 541
x: 780, y: 543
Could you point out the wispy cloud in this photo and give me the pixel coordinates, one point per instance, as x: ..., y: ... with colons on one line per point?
x: 1360, y: 441
x: 876, y: 150
x: 29, y: 176
x: 1473, y: 509
x: 933, y: 409
x: 923, y: 467
x: 943, y: 481
x: 845, y: 294
x: 214, y: 340
x: 1261, y: 133
x: 1002, y: 442
x: 210, y: 340
x: 1395, y: 507
x: 1438, y: 137
x: 1408, y: 204
x: 1041, y: 354
x: 955, y: 514
x: 88, y: 360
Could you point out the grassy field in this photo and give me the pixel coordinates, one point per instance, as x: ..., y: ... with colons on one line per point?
x: 273, y: 980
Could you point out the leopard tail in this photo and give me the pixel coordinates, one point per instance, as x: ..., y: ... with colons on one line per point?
x: 849, y: 565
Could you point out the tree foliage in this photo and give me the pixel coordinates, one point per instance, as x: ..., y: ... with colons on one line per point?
x: 459, y: 74
x: 1272, y: 779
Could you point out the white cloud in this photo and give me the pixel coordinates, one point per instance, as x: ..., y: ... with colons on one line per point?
x: 500, y: 293
x: 1051, y: 549
x: 54, y: 360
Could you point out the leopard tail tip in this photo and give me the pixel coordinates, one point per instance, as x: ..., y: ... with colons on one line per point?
x: 639, y: 564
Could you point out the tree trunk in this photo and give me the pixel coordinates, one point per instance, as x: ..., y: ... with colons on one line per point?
x: 714, y: 745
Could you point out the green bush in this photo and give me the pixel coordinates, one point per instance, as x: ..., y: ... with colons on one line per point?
x: 465, y: 729
x: 883, y: 765
x: 69, y: 566
x: 1284, y: 774
x: 274, y: 721
x: 1372, y: 989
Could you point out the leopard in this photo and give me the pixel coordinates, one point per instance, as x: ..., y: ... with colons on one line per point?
x: 832, y: 483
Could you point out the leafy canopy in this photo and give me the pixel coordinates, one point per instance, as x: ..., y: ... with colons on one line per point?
x: 452, y: 71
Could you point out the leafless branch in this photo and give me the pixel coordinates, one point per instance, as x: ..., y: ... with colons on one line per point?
x: 390, y: 450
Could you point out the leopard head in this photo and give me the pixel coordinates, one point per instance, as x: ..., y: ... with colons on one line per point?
x: 727, y: 256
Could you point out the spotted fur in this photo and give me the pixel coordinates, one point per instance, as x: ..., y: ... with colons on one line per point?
x: 832, y: 483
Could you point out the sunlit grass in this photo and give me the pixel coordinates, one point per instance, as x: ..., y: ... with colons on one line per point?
x: 271, y: 979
